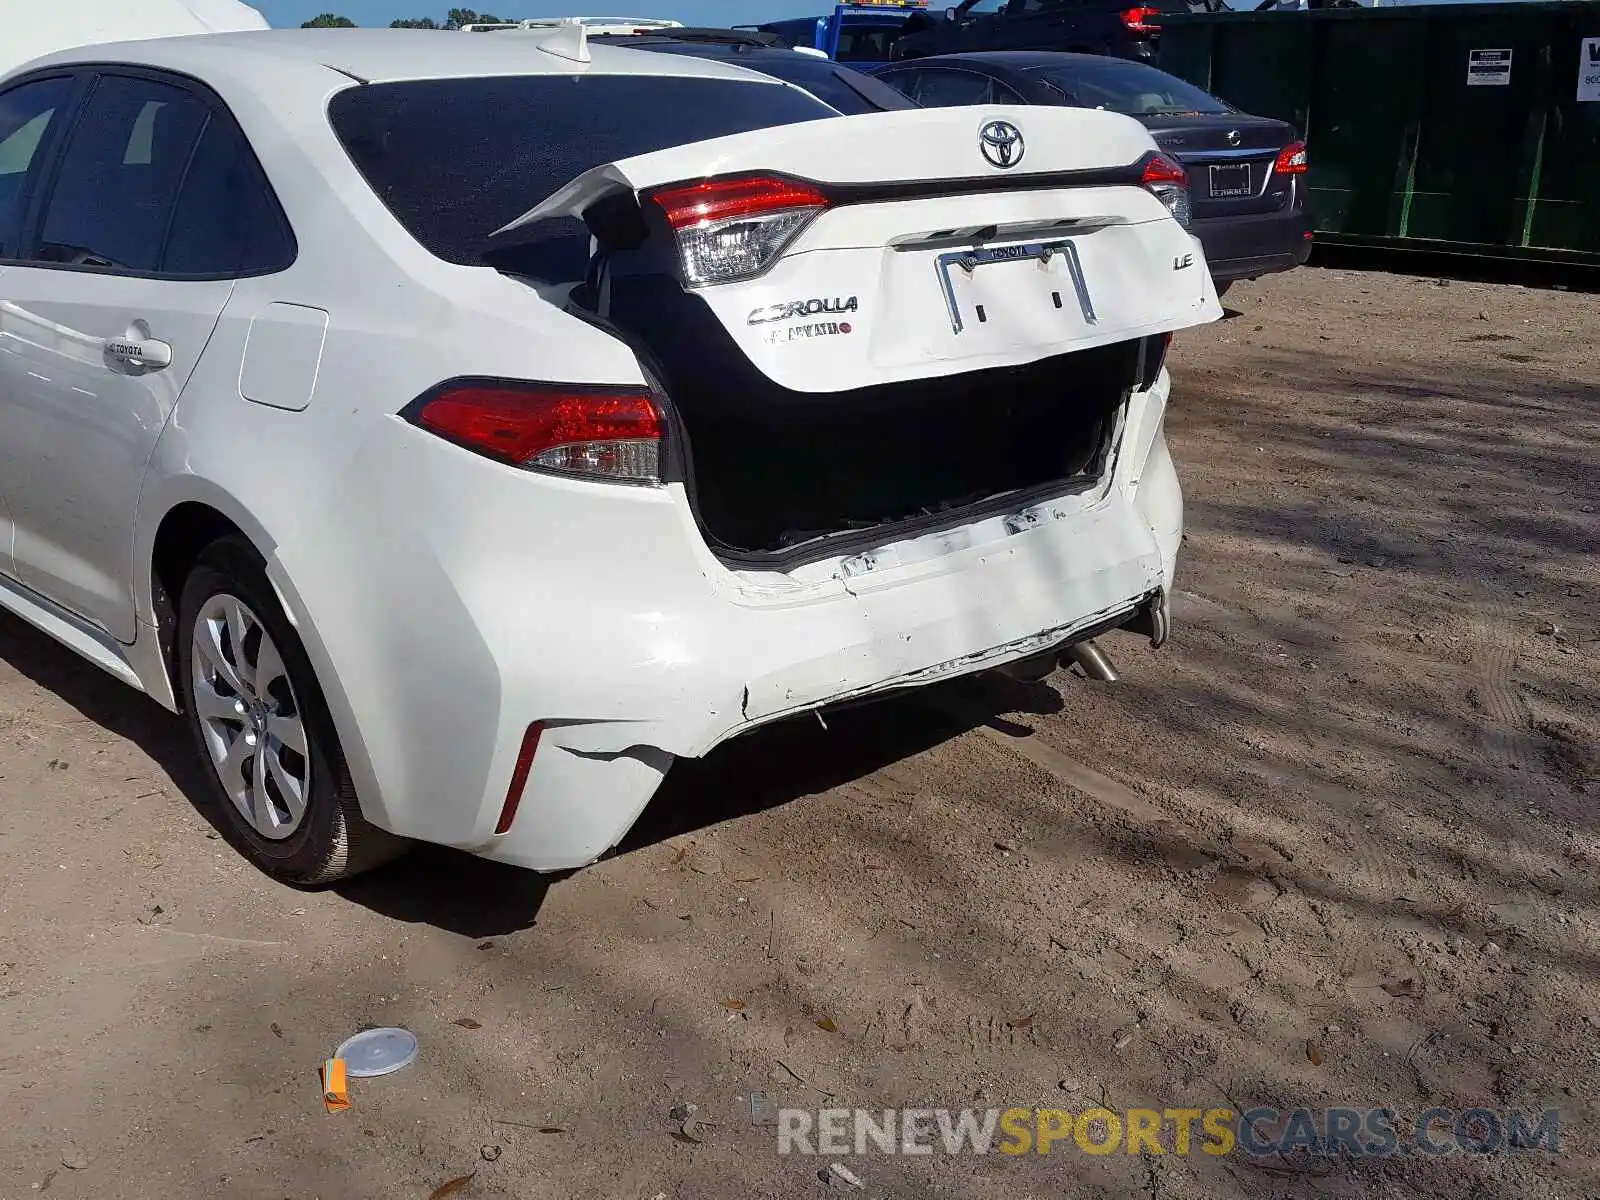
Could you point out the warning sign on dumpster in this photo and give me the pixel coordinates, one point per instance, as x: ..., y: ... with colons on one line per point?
x: 1488, y: 68
x: 1589, y: 70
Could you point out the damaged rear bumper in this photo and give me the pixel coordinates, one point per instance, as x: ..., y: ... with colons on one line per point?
x: 630, y: 645
x: 1081, y: 574
x: 1098, y: 570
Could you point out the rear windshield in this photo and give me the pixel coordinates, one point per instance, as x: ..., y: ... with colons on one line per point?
x: 1127, y: 87
x: 455, y: 159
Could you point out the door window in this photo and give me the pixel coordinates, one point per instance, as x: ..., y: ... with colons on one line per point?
x: 120, y: 175
x: 26, y: 115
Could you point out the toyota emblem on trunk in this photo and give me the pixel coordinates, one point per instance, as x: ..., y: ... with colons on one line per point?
x: 1001, y: 143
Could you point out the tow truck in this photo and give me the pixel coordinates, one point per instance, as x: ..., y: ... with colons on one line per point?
x: 859, y: 33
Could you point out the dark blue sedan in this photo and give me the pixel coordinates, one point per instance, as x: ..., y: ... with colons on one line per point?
x: 1247, y: 174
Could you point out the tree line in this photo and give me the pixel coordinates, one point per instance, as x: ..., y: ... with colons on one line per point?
x: 454, y: 19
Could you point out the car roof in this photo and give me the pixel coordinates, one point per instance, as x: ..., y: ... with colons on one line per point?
x: 385, y: 56
x: 1011, y: 60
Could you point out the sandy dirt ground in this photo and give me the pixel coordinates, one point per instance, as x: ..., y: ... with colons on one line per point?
x: 1336, y: 844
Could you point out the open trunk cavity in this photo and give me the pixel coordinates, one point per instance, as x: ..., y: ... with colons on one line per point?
x: 872, y: 325
x: 777, y: 474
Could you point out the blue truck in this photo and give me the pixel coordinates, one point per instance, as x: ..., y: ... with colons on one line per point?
x: 859, y: 34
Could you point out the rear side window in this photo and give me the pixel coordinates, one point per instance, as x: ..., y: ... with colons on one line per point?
x: 120, y: 175
x: 455, y: 159
x: 26, y: 115
x: 227, y: 221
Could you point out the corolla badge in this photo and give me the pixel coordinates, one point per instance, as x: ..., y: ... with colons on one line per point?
x: 1001, y: 144
x: 816, y: 306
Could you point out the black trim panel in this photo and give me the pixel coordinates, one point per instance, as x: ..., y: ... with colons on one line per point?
x: 1039, y: 181
x: 844, y: 194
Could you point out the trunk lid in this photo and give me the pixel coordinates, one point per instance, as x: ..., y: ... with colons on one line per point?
x: 926, y: 256
x: 1229, y: 159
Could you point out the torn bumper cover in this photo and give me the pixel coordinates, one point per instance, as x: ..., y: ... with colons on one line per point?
x: 762, y: 664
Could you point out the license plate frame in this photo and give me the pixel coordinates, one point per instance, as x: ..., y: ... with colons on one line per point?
x: 1230, y: 180
x: 968, y: 261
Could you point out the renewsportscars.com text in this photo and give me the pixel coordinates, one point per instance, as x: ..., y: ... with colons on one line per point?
x: 1257, y: 1132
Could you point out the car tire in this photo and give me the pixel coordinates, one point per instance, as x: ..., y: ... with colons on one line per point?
x: 274, y: 772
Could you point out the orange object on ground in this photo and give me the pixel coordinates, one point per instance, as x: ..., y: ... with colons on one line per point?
x: 335, y: 1090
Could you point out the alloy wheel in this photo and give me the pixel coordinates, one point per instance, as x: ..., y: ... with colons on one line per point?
x: 250, y: 719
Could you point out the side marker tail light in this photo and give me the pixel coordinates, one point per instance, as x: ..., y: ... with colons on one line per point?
x: 519, y: 776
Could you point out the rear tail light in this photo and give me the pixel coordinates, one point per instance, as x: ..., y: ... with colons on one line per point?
x: 735, y: 228
x: 1291, y: 159
x: 1169, y: 183
x: 1138, y: 20
x: 594, y: 432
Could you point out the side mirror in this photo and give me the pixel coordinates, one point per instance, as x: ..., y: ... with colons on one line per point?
x: 949, y: 14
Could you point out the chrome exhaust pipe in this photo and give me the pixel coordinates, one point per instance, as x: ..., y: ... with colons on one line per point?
x: 1092, y: 659
x: 1154, y: 620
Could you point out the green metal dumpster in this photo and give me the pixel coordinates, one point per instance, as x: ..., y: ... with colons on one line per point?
x: 1467, y: 128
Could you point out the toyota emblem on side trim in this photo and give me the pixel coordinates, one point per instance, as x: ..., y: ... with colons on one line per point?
x: 1001, y: 143
x: 1232, y: 137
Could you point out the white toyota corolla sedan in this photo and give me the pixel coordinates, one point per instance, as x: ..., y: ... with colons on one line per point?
x: 457, y: 430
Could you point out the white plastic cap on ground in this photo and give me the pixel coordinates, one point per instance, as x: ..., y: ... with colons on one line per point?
x: 377, y: 1052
